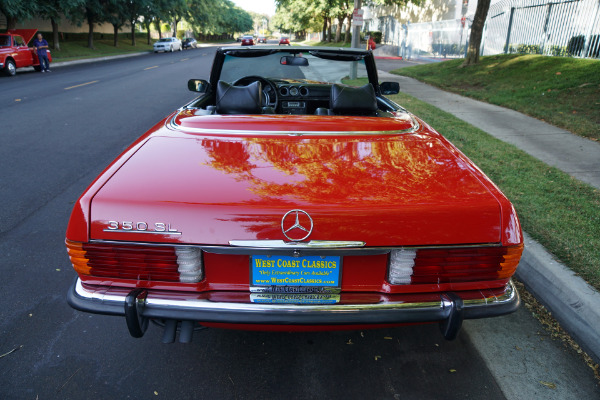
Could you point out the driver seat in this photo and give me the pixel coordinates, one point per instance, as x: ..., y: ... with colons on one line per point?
x: 239, y: 99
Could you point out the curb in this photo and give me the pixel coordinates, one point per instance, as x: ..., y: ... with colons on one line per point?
x: 89, y: 60
x: 387, y: 58
x: 98, y: 59
x: 572, y: 301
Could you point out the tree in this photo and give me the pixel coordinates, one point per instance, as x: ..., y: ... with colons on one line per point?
x: 304, y: 14
x: 17, y: 10
x: 343, y: 11
x: 134, y: 9
x: 116, y: 15
x: 93, y: 12
x: 481, y: 12
x: 299, y: 16
x: 175, y: 11
x: 54, y: 10
x: 150, y: 15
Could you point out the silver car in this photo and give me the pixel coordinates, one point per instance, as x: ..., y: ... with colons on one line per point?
x: 168, y: 44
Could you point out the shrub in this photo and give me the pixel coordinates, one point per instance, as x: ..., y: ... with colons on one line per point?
x: 376, y: 35
x: 594, y: 49
x: 576, y: 45
x: 525, y: 49
x: 448, y: 48
x: 555, y: 50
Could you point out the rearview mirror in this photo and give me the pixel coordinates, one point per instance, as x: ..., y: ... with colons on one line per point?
x: 389, y: 87
x: 198, y: 85
x: 295, y: 61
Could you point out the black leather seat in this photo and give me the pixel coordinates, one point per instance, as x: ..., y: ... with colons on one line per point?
x: 347, y: 100
x: 239, y: 99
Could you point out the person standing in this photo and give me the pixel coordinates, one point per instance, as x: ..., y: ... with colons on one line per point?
x: 41, y: 46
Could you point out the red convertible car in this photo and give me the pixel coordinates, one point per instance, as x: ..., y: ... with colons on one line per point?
x: 300, y: 199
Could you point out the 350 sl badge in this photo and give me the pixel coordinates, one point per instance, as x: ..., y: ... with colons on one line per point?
x: 158, y: 228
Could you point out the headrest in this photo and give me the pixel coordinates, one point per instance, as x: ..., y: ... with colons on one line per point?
x: 239, y: 99
x: 352, y: 100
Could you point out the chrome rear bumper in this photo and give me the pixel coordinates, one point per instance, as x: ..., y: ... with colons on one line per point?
x: 190, y: 307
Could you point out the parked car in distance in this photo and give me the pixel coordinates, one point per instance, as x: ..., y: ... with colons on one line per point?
x: 189, y: 43
x: 284, y: 40
x: 239, y: 39
x: 168, y: 44
x: 293, y: 200
x: 262, y: 39
x: 248, y: 40
x: 14, y: 52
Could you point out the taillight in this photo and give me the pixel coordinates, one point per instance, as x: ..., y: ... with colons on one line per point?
x: 449, y: 265
x: 78, y: 257
x: 148, y: 263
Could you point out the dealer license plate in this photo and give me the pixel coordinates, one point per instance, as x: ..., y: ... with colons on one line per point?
x: 294, y: 298
x: 285, y: 274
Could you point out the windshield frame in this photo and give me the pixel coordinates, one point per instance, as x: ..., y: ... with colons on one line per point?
x: 252, y: 51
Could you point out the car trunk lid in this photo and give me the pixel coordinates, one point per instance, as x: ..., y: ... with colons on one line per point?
x: 385, y: 190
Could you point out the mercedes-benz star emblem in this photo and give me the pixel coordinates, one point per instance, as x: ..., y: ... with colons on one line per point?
x: 295, y: 231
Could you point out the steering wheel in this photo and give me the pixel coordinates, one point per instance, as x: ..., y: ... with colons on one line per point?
x: 269, y: 89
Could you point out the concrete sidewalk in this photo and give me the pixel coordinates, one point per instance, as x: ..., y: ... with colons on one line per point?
x: 573, y: 302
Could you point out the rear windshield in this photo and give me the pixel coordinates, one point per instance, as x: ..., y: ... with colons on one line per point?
x: 4, y: 40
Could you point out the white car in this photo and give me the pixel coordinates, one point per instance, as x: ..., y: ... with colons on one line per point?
x: 168, y: 44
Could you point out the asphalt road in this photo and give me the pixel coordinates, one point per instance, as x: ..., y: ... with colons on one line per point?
x: 59, y: 130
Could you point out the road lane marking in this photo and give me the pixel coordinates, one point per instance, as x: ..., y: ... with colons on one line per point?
x: 145, y: 69
x: 184, y: 59
x: 83, y: 84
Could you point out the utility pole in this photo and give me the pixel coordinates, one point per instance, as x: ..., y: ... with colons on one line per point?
x: 355, y: 38
x: 356, y: 28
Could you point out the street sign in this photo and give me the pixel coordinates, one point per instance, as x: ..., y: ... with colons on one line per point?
x: 357, y: 17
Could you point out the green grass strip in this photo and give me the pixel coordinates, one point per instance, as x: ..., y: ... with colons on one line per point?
x: 562, y: 91
x: 559, y: 211
x: 327, y: 44
x: 74, y: 50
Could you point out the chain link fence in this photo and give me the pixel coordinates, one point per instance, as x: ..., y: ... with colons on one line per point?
x: 559, y: 28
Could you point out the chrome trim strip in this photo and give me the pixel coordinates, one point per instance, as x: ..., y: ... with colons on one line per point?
x: 111, y: 301
x: 224, y: 248
x: 277, y: 244
x: 174, y: 126
x: 287, y: 249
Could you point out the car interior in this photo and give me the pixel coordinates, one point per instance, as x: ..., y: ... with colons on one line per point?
x: 262, y: 96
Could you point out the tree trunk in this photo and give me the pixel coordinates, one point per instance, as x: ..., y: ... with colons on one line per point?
x: 481, y: 12
x: 11, y: 23
x: 133, y: 33
x: 55, y: 42
x: 324, y: 37
x: 147, y: 25
x: 116, y: 35
x: 329, y: 23
x: 348, y: 27
x: 176, y: 22
x: 90, y: 33
x: 158, y: 28
x: 340, y: 26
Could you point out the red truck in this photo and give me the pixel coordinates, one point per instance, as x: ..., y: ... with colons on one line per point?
x: 14, y: 52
